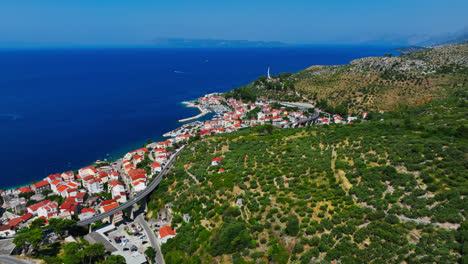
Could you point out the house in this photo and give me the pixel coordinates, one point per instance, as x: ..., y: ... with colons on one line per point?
x: 86, y: 213
x: 35, y: 207
x: 7, y: 231
x: 117, y: 190
x: 364, y: 115
x: 137, y: 159
x: 87, y: 171
x: 70, y: 207
x: 68, y: 176
x: 81, y: 197
x: 70, y: 192
x: 54, y: 185
x: 121, y: 198
x: 141, y: 151
x: 103, y: 176
x: 53, y: 177
x: 128, y: 167
x: 86, y: 180
x: 139, y: 185
x: 107, y: 206
x: 15, y: 222
x: 113, y: 176
x: 351, y: 118
x: 118, y: 217
x: 161, y: 159
x: 38, y: 187
x: 216, y: 161
x: 62, y: 190
x: 137, y: 174
x: 95, y: 186
x: 155, y: 167
x: 221, y: 170
x: 165, y: 233
x: 48, y: 210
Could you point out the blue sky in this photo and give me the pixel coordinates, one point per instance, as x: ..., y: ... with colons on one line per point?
x: 139, y: 22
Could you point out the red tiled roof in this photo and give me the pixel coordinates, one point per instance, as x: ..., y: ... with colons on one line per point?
x: 81, y: 195
x: 56, y: 182
x: 26, y: 216
x: 25, y: 189
x: 36, y: 206
x: 15, y: 221
x: 66, y: 206
x: 155, y: 165
x: 54, y: 176
x: 107, y: 202
x: 4, y: 228
x: 62, y: 188
x: 166, y: 231
x: 41, y: 184
x: 218, y: 159
x: 95, y: 180
x: 137, y: 174
x: 110, y: 206
x: 88, y: 178
x: 87, y: 210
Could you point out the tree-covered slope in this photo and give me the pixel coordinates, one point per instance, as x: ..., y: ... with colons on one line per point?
x: 389, y: 190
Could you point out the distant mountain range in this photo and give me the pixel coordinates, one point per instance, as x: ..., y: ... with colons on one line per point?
x: 445, y: 39
x: 214, y: 43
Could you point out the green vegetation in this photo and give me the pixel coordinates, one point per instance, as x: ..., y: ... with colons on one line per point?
x: 34, y: 239
x: 279, y: 87
x: 389, y: 190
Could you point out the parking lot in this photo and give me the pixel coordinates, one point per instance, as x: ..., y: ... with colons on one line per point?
x: 129, y: 237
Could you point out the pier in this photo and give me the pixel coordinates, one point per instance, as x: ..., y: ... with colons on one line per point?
x: 190, y: 104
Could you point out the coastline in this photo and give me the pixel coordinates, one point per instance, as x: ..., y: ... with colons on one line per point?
x: 120, y: 152
x: 191, y: 104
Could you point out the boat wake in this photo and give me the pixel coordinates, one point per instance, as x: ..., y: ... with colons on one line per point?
x: 11, y: 117
x: 179, y: 72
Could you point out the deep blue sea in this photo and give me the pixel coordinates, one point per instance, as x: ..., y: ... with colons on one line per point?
x: 63, y: 109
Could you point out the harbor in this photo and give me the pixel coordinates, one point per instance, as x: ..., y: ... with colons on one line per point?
x: 202, y: 112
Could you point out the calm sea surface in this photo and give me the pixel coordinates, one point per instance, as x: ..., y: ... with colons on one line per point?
x: 63, y: 109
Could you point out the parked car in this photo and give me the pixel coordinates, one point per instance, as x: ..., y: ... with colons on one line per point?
x: 133, y: 248
x: 144, y: 242
x: 125, y: 249
x: 143, y: 237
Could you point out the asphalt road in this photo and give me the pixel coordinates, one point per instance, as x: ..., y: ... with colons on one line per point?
x: 153, y: 184
x: 12, y: 260
x: 152, y: 238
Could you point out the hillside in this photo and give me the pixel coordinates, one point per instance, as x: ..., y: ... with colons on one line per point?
x: 389, y: 190
x: 373, y: 83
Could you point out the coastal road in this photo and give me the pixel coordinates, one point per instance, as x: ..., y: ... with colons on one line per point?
x: 312, y: 118
x: 5, y: 259
x: 139, y: 196
x: 152, y: 238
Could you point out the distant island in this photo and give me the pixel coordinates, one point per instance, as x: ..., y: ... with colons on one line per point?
x: 214, y: 43
x: 410, y: 49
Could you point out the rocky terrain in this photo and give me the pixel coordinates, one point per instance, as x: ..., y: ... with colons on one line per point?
x: 383, y: 83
